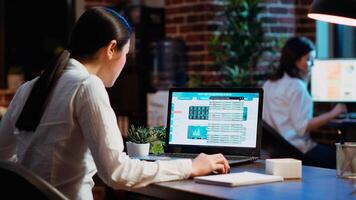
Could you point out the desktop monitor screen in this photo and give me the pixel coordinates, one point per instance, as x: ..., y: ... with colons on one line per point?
x: 334, y: 80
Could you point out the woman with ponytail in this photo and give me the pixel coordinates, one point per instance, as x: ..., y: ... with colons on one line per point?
x: 61, y: 125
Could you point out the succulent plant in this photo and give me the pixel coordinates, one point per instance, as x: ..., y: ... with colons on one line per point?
x: 155, y: 136
x: 139, y: 135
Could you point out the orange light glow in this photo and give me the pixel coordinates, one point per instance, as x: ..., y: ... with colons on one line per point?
x: 333, y: 19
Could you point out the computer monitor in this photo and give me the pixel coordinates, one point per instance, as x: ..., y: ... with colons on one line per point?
x: 334, y: 80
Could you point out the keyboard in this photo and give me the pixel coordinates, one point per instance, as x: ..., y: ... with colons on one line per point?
x: 180, y: 155
x: 167, y: 156
x: 188, y: 155
x: 342, y: 116
x: 349, y: 115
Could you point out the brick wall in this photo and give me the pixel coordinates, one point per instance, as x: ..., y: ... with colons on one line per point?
x: 285, y: 18
x: 279, y: 17
x: 195, y: 21
x: 304, y: 25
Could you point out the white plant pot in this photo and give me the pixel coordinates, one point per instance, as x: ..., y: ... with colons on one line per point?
x: 134, y: 149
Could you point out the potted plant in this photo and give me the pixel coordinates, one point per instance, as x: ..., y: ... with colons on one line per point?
x: 240, y: 42
x: 158, y: 135
x: 145, y: 140
x: 138, y: 143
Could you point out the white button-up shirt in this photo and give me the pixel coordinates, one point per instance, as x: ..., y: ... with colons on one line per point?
x: 78, y: 136
x: 288, y: 107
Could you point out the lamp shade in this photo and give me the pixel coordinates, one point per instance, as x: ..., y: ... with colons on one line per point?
x: 334, y: 11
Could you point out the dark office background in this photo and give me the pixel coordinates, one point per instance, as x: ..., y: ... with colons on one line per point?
x: 31, y: 32
x: 34, y: 32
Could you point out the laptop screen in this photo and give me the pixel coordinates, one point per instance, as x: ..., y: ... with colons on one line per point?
x: 219, y: 119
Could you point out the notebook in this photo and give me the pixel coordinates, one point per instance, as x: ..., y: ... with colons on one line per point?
x: 238, y: 179
x: 213, y: 120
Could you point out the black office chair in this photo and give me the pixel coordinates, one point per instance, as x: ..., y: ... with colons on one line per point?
x: 276, y: 145
x: 20, y: 183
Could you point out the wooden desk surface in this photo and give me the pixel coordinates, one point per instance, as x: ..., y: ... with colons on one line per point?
x: 317, y: 183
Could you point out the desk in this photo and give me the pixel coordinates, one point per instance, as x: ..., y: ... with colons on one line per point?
x: 317, y: 183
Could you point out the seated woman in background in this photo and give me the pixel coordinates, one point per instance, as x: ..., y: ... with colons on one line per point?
x: 288, y: 106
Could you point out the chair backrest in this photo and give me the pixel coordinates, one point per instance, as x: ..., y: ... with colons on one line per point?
x: 276, y: 145
x: 18, y: 182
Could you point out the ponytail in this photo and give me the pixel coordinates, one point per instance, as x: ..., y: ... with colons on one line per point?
x: 93, y: 30
x: 38, y: 98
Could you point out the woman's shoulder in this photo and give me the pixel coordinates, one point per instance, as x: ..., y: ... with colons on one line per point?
x: 286, y: 85
x: 93, y: 81
x: 80, y: 78
x: 293, y: 82
x: 78, y: 72
x: 23, y: 91
x: 92, y: 87
x: 27, y: 86
x: 296, y: 87
x: 284, y: 81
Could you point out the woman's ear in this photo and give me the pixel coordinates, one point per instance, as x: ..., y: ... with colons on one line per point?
x: 111, y: 48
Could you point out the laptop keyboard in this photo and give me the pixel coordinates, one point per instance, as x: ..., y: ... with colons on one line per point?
x: 187, y: 155
x: 180, y: 155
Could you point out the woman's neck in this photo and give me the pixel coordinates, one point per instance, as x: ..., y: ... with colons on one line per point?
x: 92, y: 66
x: 305, y: 77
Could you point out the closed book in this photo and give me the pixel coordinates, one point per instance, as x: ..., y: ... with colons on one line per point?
x: 238, y: 179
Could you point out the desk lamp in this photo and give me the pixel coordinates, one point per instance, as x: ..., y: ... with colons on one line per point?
x: 334, y: 11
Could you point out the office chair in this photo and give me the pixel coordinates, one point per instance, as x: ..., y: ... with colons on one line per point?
x: 19, y: 183
x: 276, y: 145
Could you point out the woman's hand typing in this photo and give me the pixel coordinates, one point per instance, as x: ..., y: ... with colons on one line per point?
x: 204, y: 164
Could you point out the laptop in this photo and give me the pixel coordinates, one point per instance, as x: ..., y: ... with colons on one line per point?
x: 213, y: 120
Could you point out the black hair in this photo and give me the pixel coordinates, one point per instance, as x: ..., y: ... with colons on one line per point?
x: 294, y: 49
x: 94, y: 30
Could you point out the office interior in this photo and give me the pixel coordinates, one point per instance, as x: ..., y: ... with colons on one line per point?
x: 172, y: 46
